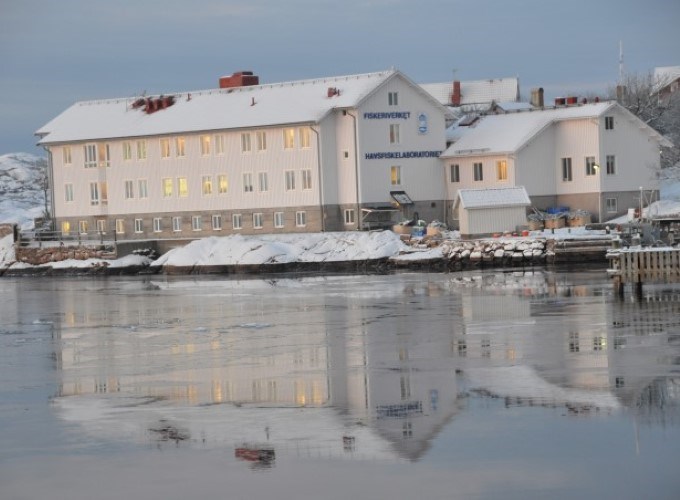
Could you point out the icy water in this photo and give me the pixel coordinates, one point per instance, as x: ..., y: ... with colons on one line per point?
x: 478, y: 385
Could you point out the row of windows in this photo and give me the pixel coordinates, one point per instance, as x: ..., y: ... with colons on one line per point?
x: 502, y: 169
x: 140, y: 190
x: 99, y: 154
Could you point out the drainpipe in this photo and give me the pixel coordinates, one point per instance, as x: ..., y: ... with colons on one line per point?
x: 320, y: 172
x: 356, y: 168
x: 50, y: 179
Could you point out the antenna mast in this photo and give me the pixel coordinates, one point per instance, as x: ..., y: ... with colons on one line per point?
x: 621, y: 62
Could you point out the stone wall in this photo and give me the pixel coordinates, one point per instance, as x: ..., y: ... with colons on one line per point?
x: 38, y: 256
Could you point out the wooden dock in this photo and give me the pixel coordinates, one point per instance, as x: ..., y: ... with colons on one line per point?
x: 641, y: 265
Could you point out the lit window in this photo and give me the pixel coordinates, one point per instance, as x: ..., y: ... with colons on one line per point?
x: 393, y: 99
x: 261, y: 140
x: 222, y: 184
x: 288, y: 138
x: 502, y: 170
x: 609, y: 123
x: 68, y: 192
x: 82, y: 226
x: 454, y: 172
x: 104, y: 193
x: 278, y: 219
x: 139, y: 226
x: 590, y: 165
x: 103, y: 155
x: 478, y: 169
x: 143, y: 189
x: 219, y: 145
x: 207, y: 186
x: 141, y: 150
x: 566, y: 170
x: 216, y: 222
x: 237, y: 221
x: 263, y: 181
x: 257, y: 220
x: 120, y: 226
x: 94, y: 193
x: 305, y: 137
x: 245, y: 142
x: 394, y: 133
x: 349, y: 216
x: 395, y: 175
x: 167, y: 187
x: 165, y: 148
x: 177, y: 224
x: 205, y: 145
x: 101, y: 226
x: 611, y: 165
x: 306, y: 179
x: 129, y: 190
x: 248, y: 182
x: 290, y: 180
x: 67, y: 155
x: 196, y: 223
x: 182, y: 187
x: 300, y: 219
x: 66, y: 228
x: 180, y: 147
x: 157, y: 225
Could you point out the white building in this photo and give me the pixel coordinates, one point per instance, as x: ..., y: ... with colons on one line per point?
x: 596, y: 157
x: 309, y: 155
x: 475, y: 95
x: 486, y: 211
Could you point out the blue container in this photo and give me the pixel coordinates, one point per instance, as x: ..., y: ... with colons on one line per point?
x: 556, y: 210
x: 418, y: 231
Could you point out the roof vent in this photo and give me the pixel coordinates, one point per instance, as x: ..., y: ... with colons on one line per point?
x: 333, y: 91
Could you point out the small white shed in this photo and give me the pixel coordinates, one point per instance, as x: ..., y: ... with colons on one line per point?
x: 493, y: 210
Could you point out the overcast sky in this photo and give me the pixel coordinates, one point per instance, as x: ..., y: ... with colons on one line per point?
x: 56, y: 52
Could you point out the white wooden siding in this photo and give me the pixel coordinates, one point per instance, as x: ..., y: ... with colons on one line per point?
x: 491, y: 220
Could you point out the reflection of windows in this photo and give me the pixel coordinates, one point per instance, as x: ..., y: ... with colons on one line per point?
x: 407, y: 430
x: 573, y: 342
x: 486, y: 348
x: 299, y: 390
x: 599, y: 343
x: 462, y: 348
x: 405, y: 387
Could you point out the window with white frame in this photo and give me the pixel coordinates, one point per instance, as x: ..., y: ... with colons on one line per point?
x: 237, y: 221
x: 566, y: 170
x: 66, y: 228
x: 216, y: 220
x: 66, y: 153
x: 141, y: 150
x: 502, y: 170
x: 167, y: 187
x: 611, y: 165
x: 395, y: 175
x: 305, y: 137
x: 288, y: 138
x: 142, y: 189
x: 205, y: 145
x: 90, y: 152
x: 257, y: 220
x: 478, y: 172
x: 206, y: 185
x: 219, y: 144
x: 247, y: 182
x: 103, y: 156
x: 104, y: 193
x: 165, y: 148
x: 82, y: 226
x: 68, y: 192
x: 392, y: 98
x: 300, y: 219
x: 182, y: 187
x: 278, y: 219
x: 129, y: 189
x: 349, y: 216
x: 306, y: 178
x: 127, y: 151
x: 180, y: 147
x: 609, y: 123
x: 101, y: 226
x: 261, y: 136
x: 263, y: 181
x: 120, y: 226
x: 177, y: 224
x: 94, y: 193
x: 394, y: 133
x: 590, y: 166
x: 139, y: 225
x: 222, y: 184
x: 454, y: 172
x: 289, y: 177
x: 611, y: 205
x: 157, y: 225
x: 196, y: 223
x: 245, y: 142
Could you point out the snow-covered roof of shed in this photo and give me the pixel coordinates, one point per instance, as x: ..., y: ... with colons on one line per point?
x: 493, y: 197
x: 508, y: 132
x: 303, y: 101
x: 476, y: 91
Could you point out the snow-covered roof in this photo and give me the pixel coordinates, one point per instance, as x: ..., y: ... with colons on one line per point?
x: 493, y: 197
x: 666, y: 74
x: 476, y: 91
x: 304, y: 101
x: 508, y: 132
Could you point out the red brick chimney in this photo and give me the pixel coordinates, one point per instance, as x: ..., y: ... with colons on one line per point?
x: 455, y: 96
x: 239, y: 79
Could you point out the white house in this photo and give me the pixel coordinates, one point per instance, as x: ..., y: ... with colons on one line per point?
x: 596, y: 157
x: 493, y: 210
x: 311, y: 155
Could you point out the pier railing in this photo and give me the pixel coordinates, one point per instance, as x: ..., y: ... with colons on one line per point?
x: 644, y: 265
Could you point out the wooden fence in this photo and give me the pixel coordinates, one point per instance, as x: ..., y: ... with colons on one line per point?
x: 644, y: 265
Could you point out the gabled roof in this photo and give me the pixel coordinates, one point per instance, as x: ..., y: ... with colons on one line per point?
x: 304, y: 101
x: 480, y: 92
x: 664, y: 75
x: 493, y: 198
x: 508, y: 132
